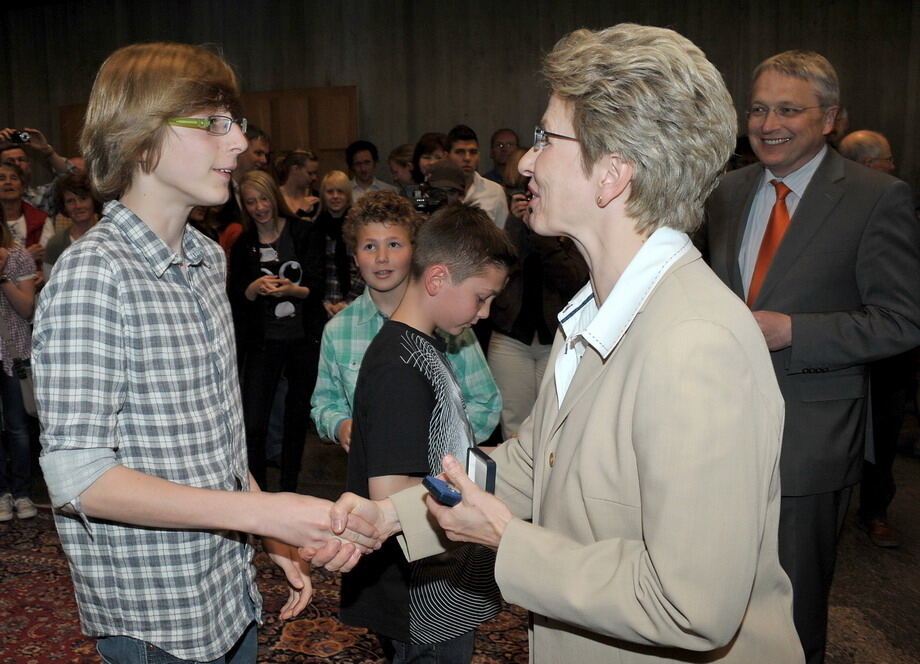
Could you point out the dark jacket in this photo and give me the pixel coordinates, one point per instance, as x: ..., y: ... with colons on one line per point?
x: 350, y: 282
x: 245, y: 268
x: 552, y: 265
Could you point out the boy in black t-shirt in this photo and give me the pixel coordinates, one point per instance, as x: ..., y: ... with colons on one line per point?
x: 408, y: 413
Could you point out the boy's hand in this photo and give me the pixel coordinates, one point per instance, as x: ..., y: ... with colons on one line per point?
x: 351, y: 510
x: 296, y: 571
x: 344, y: 434
x: 352, y: 513
x: 305, y: 521
x: 336, y: 555
x: 479, y: 517
x: 332, y: 308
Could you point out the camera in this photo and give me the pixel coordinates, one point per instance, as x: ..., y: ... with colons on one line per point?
x: 427, y: 199
x: 20, y: 136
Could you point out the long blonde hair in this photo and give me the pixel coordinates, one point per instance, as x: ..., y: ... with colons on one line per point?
x: 265, y: 184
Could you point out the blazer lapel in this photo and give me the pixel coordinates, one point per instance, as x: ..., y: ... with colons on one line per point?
x: 591, y: 366
x: 589, y: 369
x: 738, y: 212
x: 821, y: 197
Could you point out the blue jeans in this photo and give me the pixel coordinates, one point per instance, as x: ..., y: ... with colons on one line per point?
x: 125, y: 650
x: 15, y: 458
x: 458, y: 650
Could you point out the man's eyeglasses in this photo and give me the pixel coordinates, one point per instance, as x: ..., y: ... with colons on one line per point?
x: 216, y: 125
x: 505, y: 144
x: 540, y: 136
x: 759, y: 111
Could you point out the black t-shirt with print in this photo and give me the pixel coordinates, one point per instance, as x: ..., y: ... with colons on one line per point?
x: 282, y: 315
x: 408, y: 413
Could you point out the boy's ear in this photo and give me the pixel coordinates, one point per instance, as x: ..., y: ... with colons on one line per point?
x: 615, y: 175
x: 436, y: 276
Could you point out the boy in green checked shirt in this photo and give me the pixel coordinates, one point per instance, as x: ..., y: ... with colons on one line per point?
x: 380, y: 230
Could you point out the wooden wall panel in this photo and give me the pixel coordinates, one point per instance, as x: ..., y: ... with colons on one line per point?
x: 424, y: 66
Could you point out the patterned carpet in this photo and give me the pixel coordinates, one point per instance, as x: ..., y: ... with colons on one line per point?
x: 875, y: 601
x: 38, y: 614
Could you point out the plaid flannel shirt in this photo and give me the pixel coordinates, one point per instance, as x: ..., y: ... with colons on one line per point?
x: 347, y: 336
x: 134, y: 366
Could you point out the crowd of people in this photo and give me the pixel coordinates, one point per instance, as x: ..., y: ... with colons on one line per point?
x: 676, y: 355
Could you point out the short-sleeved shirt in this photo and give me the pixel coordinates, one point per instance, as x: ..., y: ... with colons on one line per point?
x: 408, y: 414
x: 134, y: 366
x: 345, y: 340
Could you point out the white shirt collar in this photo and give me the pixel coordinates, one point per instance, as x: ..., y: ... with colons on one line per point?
x: 583, y: 323
x: 798, y: 180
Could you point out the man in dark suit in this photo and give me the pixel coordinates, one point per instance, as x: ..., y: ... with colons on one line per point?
x: 827, y: 254
x: 891, y: 380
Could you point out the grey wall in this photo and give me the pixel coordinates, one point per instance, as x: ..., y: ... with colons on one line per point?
x: 423, y: 66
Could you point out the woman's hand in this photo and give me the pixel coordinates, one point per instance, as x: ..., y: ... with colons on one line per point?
x: 479, y: 517
x: 287, y: 288
x: 264, y: 285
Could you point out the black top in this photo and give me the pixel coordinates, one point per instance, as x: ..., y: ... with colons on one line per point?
x: 550, y: 272
x: 281, y: 317
x: 408, y: 413
x: 299, y: 253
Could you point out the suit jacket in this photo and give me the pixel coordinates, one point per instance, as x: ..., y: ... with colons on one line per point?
x: 653, y: 490
x: 848, y: 273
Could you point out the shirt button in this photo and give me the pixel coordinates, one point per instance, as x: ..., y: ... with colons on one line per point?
x: 552, y: 459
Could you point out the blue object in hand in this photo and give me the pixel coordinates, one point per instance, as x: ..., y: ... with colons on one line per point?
x: 443, y: 492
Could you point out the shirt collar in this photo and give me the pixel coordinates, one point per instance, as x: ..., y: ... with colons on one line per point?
x: 154, y: 250
x: 798, y: 180
x: 604, y: 328
x: 371, y: 187
x: 476, y: 184
x: 365, y: 309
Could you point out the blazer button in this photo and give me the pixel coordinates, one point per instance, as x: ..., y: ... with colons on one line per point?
x: 552, y: 459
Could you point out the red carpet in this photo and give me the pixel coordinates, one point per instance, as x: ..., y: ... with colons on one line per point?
x: 39, y: 623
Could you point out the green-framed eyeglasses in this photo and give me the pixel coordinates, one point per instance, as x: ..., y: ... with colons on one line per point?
x: 216, y: 125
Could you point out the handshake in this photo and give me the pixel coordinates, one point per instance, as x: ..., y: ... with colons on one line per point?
x: 304, y: 531
x: 355, y: 526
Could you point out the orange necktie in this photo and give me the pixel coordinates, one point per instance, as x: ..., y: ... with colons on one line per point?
x: 776, y: 229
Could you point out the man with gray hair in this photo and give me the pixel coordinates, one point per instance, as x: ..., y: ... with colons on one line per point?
x: 891, y: 381
x: 826, y: 254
